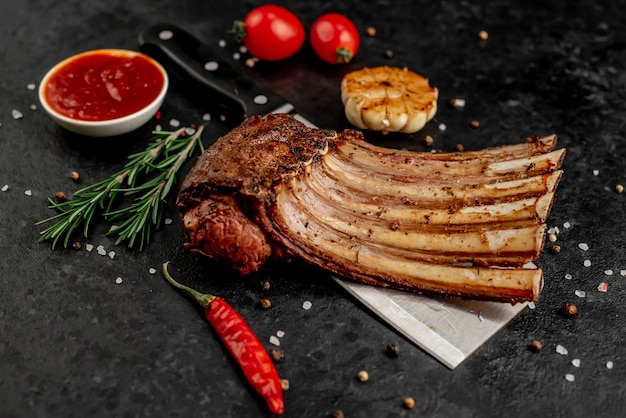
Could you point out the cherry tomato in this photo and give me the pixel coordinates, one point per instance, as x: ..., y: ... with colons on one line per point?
x: 270, y: 32
x: 334, y: 38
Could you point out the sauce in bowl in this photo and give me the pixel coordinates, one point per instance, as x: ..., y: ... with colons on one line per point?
x: 96, y: 89
x: 103, y: 85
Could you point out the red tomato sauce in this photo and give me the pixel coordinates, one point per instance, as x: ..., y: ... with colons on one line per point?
x: 103, y: 85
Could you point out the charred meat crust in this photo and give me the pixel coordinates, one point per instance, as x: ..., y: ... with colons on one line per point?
x: 254, y: 157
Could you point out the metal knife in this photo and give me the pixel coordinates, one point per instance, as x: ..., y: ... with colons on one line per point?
x: 448, y: 329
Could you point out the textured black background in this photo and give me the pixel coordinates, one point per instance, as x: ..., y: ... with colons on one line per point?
x: 74, y: 343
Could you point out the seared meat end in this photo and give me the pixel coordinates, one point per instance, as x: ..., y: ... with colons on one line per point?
x: 220, y: 230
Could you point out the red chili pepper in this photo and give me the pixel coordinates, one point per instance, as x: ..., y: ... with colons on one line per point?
x: 242, y: 343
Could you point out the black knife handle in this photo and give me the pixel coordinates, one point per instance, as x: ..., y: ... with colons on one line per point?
x: 208, y: 74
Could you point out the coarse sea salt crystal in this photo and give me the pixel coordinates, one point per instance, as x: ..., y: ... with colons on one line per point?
x: 531, y: 305
x: 31, y: 86
x: 89, y: 247
x: 100, y: 249
x: 152, y: 270
x: 175, y: 123
x: 608, y: 272
x: 609, y: 364
x: 570, y: 377
x: 206, y: 117
x: 583, y: 246
x: 119, y: 280
x: 622, y: 272
x: 111, y: 254
x: 596, y: 172
x: 5, y: 187
x: 561, y: 350
x: 190, y: 131
x: 580, y: 293
x: 306, y: 305
x: 442, y: 126
x: 167, y: 221
x: 576, y: 362
x: 280, y: 334
x: 274, y: 340
x: 568, y: 276
x: 28, y: 192
x: 587, y: 263
x: 33, y: 107
x: 457, y: 102
x: 166, y: 35
x: 17, y: 114
x: 222, y: 43
x: 603, y: 287
x: 567, y: 225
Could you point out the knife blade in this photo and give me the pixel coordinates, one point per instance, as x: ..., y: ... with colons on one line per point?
x: 448, y: 329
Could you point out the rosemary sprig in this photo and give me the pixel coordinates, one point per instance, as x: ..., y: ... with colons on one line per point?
x: 157, y: 166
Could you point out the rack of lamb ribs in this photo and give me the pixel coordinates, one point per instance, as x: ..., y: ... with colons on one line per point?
x: 461, y: 223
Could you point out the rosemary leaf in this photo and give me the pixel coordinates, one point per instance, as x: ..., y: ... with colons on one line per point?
x: 147, y: 179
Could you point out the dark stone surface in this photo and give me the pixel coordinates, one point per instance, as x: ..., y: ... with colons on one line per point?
x: 74, y: 343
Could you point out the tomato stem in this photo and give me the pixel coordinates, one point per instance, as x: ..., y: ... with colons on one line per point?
x: 238, y: 30
x: 343, y: 55
x: 204, y: 299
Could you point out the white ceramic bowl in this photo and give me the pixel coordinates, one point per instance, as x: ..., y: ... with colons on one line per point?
x: 108, y: 127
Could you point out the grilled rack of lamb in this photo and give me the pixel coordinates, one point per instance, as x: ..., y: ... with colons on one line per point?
x: 463, y: 223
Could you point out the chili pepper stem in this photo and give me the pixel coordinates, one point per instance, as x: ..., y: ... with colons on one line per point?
x: 204, y: 299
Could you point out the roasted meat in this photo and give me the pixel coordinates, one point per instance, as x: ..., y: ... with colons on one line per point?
x: 463, y: 223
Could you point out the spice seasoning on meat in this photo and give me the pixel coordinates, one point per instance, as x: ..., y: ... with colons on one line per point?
x: 395, y: 224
